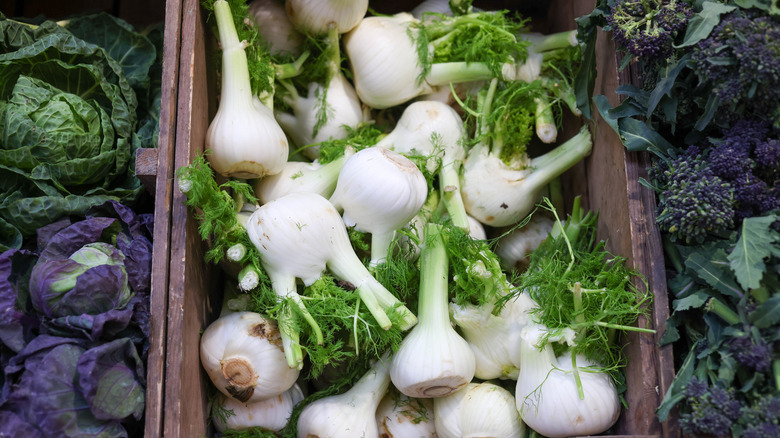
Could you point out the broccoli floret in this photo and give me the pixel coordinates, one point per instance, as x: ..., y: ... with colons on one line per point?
x: 761, y: 419
x: 694, y: 202
x: 647, y: 28
x: 750, y: 354
x: 740, y: 59
x: 747, y: 156
x: 767, y: 155
x: 713, y: 410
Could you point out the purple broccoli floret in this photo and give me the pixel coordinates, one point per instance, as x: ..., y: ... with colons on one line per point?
x: 647, y: 28
x: 713, y: 409
x: 740, y: 59
x: 694, y: 201
x: 747, y: 156
x: 750, y: 354
x: 762, y: 418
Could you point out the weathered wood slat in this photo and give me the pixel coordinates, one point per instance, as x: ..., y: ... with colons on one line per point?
x: 162, y: 189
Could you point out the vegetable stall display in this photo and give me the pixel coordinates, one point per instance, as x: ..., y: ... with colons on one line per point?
x: 366, y: 283
x: 703, y: 100
x: 78, y: 98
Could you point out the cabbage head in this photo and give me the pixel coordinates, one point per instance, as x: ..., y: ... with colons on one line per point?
x: 74, y: 107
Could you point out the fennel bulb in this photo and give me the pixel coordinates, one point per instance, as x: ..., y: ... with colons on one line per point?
x: 244, y: 138
x: 499, y: 195
x: 243, y: 355
x: 478, y: 410
x: 399, y: 415
x: 548, y: 393
x: 300, y: 235
x: 514, y: 247
x: 383, y: 59
x: 494, y: 339
x: 316, y: 16
x: 271, y: 413
x: 300, y: 176
x: 433, y: 360
x: 330, y: 108
x: 351, y: 414
x: 397, y: 58
x: 275, y: 27
x: 379, y: 191
x: 434, y: 129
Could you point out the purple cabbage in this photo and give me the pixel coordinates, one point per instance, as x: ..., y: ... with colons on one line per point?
x: 64, y: 388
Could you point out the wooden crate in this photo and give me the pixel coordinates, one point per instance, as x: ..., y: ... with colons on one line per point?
x: 607, y: 181
x: 154, y: 166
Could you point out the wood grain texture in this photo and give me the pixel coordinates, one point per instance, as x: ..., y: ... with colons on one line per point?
x: 162, y: 220
x: 146, y: 167
x: 190, y: 288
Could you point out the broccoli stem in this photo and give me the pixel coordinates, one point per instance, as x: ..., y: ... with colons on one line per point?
x: 719, y: 308
x: 776, y: 372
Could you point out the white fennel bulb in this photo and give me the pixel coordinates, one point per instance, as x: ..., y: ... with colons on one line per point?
x: 434, y: 6
x: 433, y: 360
x: 301, y: 176
x: 302, y: 234
x: 399, y: 415
x: 340, y: 109
x: 548, y: 395
x: 494, y: 339
x: 434, y: 129
x: 384, y: 61
x: 242, y: 353
x: 272, y: 413
x: 351, y: 414
x: 478, y: 410
x: 515, y: 247
x: 380, y: 191
x: 499, y: 195
x: 315, y: 16
x: 275, y: 27
x: 244, y: 139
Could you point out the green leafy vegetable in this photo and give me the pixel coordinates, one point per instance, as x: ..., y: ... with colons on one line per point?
x: 756, y: 243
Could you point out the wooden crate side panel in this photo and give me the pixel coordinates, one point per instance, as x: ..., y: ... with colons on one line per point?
x: 190, y: 306
x: 162, y: 220
x: 626, y: 224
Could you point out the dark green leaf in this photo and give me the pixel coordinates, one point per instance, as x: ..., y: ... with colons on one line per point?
x: 693, y: 301
x: 638, y: 136
x: 666, y: 81
x: 133, y: 51
x: 716, y: 275
x: 757, y: 241
x: 702, y: 23
x: 674, y: 394
x: 767, y: 314
x: 713, y: 102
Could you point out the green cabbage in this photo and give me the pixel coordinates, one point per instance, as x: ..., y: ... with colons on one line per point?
x: 76, y: 101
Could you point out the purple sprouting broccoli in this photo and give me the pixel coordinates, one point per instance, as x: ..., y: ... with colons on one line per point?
x: 762, y: 419
x: 693, y: 202
x: 756, y: 356
x: 747, y: 156
x: 740, y: 60
x: 713, y: 410
x: 647, y: 28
